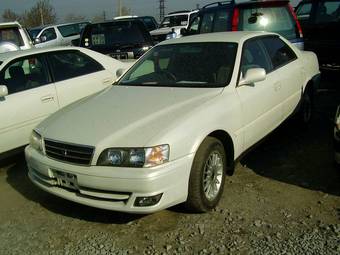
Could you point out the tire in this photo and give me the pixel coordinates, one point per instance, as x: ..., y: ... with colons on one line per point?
x: 202, y: 197
x: 307, y: 109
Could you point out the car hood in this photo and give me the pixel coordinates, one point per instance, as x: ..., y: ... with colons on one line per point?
x: 124, y: 116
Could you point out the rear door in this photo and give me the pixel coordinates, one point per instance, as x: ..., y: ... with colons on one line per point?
x: 32, y: 97
x: 77, y: 75
x: 289, y: 71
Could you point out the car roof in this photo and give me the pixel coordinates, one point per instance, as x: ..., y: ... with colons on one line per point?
x: 180, y: 13
x: 22, y: 53
x: 118, y: 21
x: 10, y: 24
x: 235, y: 37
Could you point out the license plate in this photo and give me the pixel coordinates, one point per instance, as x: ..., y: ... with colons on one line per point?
x: 66, y: 180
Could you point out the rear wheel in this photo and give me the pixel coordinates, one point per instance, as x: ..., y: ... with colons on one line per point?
x: 306, y: 110
x: 207, y: 176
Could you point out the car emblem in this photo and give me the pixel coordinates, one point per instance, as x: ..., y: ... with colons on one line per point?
x: 65, y: 153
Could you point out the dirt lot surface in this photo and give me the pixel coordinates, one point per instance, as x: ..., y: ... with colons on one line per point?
x: 283, y: 199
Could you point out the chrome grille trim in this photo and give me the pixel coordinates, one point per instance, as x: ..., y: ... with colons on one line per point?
x: 68, y: 152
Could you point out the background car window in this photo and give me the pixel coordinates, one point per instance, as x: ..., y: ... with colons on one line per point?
x: 254, y: 56
x: 273, y: 19
x: 193, y: 29
x: 49, y: 34
x: 220, y: 21
x: 303, y: 12
x: 69, y: 30
x: 279, y: 52
x: 70, y: 64
x: 176, y: 20
x: 26, y: 73
x: 11, y: 34
x: 328, y: 11
x: 207, y: 22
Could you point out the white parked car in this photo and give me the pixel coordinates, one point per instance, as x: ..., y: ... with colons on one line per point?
x: 172, y: 24
x: 174, y: 124
x: 35, y: 83
x: 57, y: 35
x: 14, y: 37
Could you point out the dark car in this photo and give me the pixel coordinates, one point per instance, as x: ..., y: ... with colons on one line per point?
x: 272, y: 15
x: 320, y: 22
x: 120, y: 39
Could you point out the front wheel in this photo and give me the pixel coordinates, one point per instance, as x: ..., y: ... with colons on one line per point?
x: 207, y: 176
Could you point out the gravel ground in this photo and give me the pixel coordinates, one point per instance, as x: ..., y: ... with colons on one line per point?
x: 283, y: 199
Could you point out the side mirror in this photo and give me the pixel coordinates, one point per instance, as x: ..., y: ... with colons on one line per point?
x: 3, y: 91
x: 253, y: 75
x: 120, y: 72
x: 184, y: 31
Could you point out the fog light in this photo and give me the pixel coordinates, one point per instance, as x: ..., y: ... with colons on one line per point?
x: 147, y: 201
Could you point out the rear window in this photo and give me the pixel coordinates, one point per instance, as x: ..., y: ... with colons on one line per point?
x: 72, y: 29
x: 12, y: 35
x: 176, y: 20
x: 114, y: 33
x: 273, y: 19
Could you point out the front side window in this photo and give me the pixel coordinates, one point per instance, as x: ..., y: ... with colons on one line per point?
x: 279, y: 52
x: 48, y: 35
x: 175, y: 20
x: 303, y: 11
x: 273, y: 19
x: 12, y: 35
x: 24, y: 74
x: 254, y: 56
x: 71, y: 64
x: 328, y: 11
x: 203, y: 65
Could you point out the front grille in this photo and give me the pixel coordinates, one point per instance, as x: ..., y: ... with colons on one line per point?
x: 72, y: 153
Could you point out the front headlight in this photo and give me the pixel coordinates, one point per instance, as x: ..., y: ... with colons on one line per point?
x: 36, y: 141
x: 134, y: 157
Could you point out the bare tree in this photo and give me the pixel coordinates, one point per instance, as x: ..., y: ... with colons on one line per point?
x: 9, y: 15
x: 40, y: 14
x: 74, y: 18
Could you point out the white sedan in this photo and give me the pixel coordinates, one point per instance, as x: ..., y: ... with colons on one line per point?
x: 35, y: 83
x: 173, y: 126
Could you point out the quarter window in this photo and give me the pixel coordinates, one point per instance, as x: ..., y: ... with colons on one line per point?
x: 25, y: 73
x: 70, y: 64
x: 279, y: 52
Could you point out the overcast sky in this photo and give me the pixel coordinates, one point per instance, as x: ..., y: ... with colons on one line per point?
x: 90, y: 8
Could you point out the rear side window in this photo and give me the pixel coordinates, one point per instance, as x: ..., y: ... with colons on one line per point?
x: 273, y: 19
x: 220, y: 21
x: 303, y: 11
x: 207, y: 22
x: 12, y: 35
x: 328, y: 11
x: 71, y: 64
x: 279, y: 52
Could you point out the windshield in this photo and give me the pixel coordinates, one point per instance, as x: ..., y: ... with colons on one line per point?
x: 11, y: 34
x: 116, y: 33
x: 34, y: 32
x: 208, y: 64
x: 177, y: 20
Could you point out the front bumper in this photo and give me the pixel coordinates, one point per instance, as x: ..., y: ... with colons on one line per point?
x: 112, y: 188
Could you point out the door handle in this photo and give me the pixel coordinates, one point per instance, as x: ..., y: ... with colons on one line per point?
x: 107, y: 81
x: 46, y: 99
x: 277, y: 86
